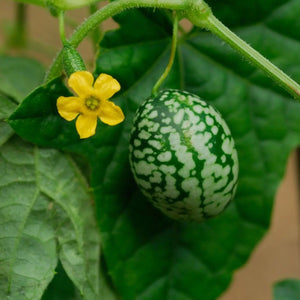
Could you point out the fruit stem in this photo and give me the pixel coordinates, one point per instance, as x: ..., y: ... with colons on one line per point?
x: 171, y: 60
x: 61, y: 19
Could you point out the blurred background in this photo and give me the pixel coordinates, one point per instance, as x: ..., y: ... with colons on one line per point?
x: 277, y: 256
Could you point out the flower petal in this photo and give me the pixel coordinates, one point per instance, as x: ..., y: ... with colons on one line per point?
x: 110, y: 113
x: 86, y: 125
x: 81, y: 83
x: 68, y: 107
x: 106, y: 86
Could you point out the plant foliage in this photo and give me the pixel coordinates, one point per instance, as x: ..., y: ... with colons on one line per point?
x: 147, y: 255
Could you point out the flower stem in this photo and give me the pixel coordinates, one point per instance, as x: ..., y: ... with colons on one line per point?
x: 171, y: 60
x: 219, y: 29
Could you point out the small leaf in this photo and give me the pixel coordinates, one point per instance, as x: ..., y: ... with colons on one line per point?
x: 38, y: 120
x: 288, y: 289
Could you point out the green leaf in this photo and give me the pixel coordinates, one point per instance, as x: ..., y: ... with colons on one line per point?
x: 233, y: 12
x: 19, y: 76
x: 6, y: 108
x: 147, y: 255
x: 167, y: 260
x: 77, y: 233
x: 45, y: 213
x: 288, y: 289
x: 37, y: 121
x: 50, y: 129
x: 28, y: 256
x: 107, y: 291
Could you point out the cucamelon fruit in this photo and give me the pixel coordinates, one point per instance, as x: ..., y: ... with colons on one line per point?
x: 183, y: 156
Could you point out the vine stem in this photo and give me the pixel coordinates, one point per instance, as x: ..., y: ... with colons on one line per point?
x: 171, y: 60
x: 106, y: 12
x: 281, y: 78
x: 200, y: 15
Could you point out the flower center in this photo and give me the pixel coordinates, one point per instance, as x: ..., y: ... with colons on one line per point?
x: 92, y: 103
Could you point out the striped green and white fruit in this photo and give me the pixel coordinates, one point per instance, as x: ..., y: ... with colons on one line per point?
x: 183, y: 156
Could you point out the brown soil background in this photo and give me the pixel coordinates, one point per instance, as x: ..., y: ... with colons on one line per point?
x: 277, y: 256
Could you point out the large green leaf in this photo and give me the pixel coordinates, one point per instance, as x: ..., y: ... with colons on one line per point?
x: 43, y: 199
x: 288, y: 289
x: 148, y: 255
x: 76, y: 232
x: 241, y: 13
x: 45, y: 214
x: 28, y: 248
x: 160, y: 259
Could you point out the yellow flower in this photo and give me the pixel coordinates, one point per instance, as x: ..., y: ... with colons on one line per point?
x: 91, y: 102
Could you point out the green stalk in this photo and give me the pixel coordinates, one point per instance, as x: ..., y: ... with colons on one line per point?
x: 106, y: 12
x: 171, y: 60
x: 219, y: 29
x: 61, y: 19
